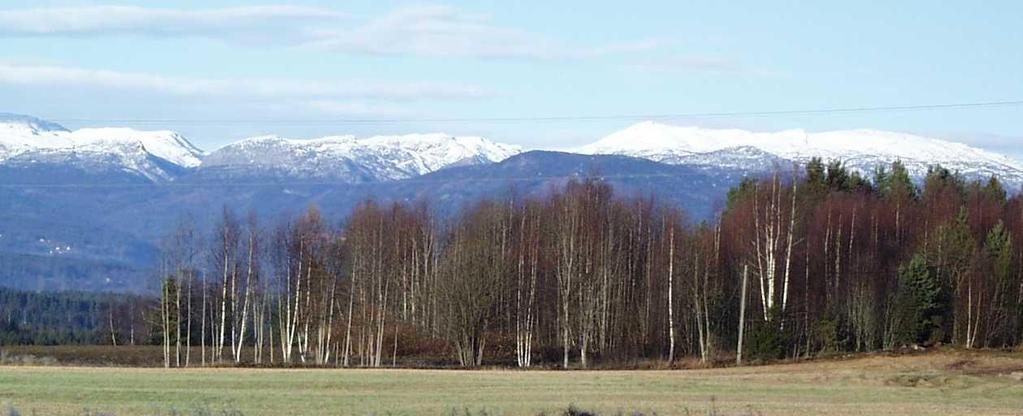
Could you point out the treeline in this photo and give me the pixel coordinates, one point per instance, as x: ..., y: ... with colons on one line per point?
x: 72, y: 318
x: 840, y: 263
x: 799, y: 264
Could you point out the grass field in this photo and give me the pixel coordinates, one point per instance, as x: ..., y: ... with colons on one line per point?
x: 932, y: 384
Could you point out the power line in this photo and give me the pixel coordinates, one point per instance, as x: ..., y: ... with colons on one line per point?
x: 560, y: 118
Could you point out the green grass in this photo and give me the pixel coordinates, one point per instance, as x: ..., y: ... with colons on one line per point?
x: 938, y: 384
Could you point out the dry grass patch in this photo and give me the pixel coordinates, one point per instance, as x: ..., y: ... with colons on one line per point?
x: 944, y: 383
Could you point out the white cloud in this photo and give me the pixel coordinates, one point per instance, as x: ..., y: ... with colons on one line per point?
x: 430, y: 30
x: 434, y: 31
x: 445, y: 31
x: 53, y: 76
x: 239, y: 23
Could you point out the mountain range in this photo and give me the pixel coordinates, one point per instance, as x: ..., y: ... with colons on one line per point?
x: 86, y: 209
x: 859, y: 150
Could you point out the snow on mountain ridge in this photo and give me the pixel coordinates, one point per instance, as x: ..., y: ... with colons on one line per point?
x: 861, y: 150
x: 355, y: 159
x: 27, y: 141
x: 165, y: 144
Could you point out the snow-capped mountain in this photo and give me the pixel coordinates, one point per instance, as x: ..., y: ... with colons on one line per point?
x: 860, y: 150
x: 351, y: 159
x: 41, y: 151
x: 27, y: 143
x: 36, y: 151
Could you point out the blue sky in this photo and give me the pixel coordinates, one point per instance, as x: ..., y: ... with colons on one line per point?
x: 219, y: 71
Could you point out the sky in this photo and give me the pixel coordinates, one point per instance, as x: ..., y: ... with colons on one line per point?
x: 542, y: 74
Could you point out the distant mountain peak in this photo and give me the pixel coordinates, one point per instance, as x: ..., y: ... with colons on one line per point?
x: 153, y: 155
x: 861, y: 149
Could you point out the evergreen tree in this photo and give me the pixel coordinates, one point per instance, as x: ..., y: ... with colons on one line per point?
x: 1000, y: 258
x: 837, y: 176
x: 952, y: 255
x: 916, y: 313
x: 896, y: 183
x: 994, y: 190
x: 816, y: 177
x: 745, y: 188
x: 940, y: 178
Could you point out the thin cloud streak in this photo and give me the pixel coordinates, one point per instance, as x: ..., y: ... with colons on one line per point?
x: 695, y: 64
x: 47, y: 76
x: 445, y: 31
x: 236, y: 23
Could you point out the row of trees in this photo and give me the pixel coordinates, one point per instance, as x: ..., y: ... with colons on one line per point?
x: 72, y: 318
x: 816, y: 261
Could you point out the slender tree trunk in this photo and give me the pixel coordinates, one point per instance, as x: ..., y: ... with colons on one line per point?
x: 248, y: 294
x: 219, y: 345
x: 788, y: 252
x: 165, y: 318
x: 188, y: 330
x: 177, y: 323
x: 742, y: 314
x: 671, y: 290
x: 202, y: 328
x: 113, y: 333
